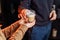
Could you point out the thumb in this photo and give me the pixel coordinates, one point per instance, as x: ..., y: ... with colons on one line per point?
x: 50, y: 14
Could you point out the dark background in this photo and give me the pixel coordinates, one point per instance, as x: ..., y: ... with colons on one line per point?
x: 9, y: 14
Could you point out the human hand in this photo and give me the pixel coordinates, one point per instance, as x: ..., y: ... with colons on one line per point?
x: 0, y: 25
x: 22, y: 14
x: 29, y: 25
x: 21, y: 21
x: 53, y: 15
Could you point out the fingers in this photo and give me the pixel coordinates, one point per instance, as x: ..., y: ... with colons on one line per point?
x: 29, y: 25
x: 19, y: 16
x: 22, y: 15
x: 53, y: 19
x: 53, y: 15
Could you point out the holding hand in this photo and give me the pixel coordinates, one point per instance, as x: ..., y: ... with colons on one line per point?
x: 29, y: 25
x: 26, y: 20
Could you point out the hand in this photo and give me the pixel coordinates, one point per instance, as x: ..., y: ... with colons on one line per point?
x: 22, y: 15
x: 53, y: 15
x: 21, y: 21
x: 29, y: 25
x: 0, y: 25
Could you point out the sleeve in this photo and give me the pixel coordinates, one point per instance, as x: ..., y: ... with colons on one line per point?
x: 50, y: 4
x: 19, y: 33
x: 25, y: 4
x: 2, y: 36
x: 10, y: 29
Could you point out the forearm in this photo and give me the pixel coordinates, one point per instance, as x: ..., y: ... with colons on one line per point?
x: 19, y: 33
x: 2, y: 36
x: 10, y: 29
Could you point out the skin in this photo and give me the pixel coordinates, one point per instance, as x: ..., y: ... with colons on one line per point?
x: 0, y: 25
x: 22, y: 15
x: 53, y: 15
x: 28, y: 24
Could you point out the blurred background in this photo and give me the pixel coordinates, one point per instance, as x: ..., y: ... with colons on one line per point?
x: 9, y: 14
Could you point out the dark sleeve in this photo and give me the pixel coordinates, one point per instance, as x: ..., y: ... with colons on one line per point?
x: 50, y: 4
x: 25, y: 4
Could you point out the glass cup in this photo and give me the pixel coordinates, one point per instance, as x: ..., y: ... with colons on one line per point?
x: 30, y: 15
